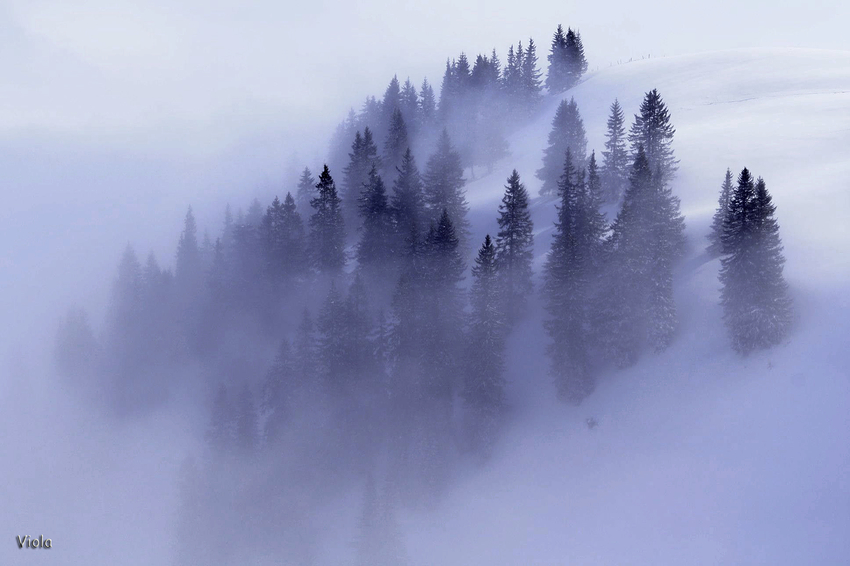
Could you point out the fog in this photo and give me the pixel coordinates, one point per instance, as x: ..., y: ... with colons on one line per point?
x: 121, y: 115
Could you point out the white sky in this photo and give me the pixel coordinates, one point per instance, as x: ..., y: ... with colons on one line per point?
x: 196, y: 76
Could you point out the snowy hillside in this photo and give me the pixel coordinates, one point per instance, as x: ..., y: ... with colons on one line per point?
x: 700, y: 456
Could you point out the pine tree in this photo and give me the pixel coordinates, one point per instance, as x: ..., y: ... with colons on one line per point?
x: 576, y: 62
x: 531, y: 82
x: 484, y: 383
x: 327, y: 230
x: 443, y: 186
x: 407, y: 202
x: 282, y: 235
x: 652, y: 130
x: 443, y: 273
x: 558, y: 78
x: 427, y: 105
x: 363, y: 156
x: 515, y: 247
x: 715, y: 246
x: 756, y: 306
x: 188, y: 266
x: 375, y: 250
x: 647, y: 239
x: 566, y: 290
x: 395, y: 146
x: 615, y: 165
x: 306, y: 187
x: 409, y: 106
x: 567, y: 133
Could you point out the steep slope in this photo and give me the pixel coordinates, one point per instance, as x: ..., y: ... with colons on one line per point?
x: 701, y: 456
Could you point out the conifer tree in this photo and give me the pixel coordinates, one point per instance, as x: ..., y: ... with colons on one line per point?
x: 443, y: 307
x: 306, y: 187
x: 327, y: 229
x: 531, y: 83
x: 395, y: 146
x: 515, y: 247
x: 484, y: 383
x: 375, y: 250
x: 363, y: 156
x: 188, y: 264
x: 407, y: 202
x: 756, y: 306
x: 715, y: 246
x: 576, y: 62
x: 567, y: 133
x: 427, y: 105
x: 615, y: 164
x: 443, y: 186
x: 566, y: 290
x: 409, y: 106
x: 558, y: 78
x: 652, y: 130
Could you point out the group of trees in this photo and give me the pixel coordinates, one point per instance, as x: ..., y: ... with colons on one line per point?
x: 337, y: 326
x: 651, y: 129
x: 745, y: 234
x: 480, y: 101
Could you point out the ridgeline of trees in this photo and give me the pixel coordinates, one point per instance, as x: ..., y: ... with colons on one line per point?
x: 347, y: 338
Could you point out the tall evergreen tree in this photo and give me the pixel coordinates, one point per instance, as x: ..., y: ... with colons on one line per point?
x: 566, y: 289
x: 395, y: 146
x: 443, y: 186
x: 409, y: 106
x: 363, y: 156
x: 567, y: 133
x: 715, y: 246
x: 615, y: 164
x: 558, y: 78
x: 652, y: 130
x: 427, y: 105
x: 484, y: 383
x: 407, y: 202
x: 375, y: 250
x: 756, y: 306
x: 576, y: 62
x: 647, y: 239
x: 515, y: 247
x: 531, y: 83
x: 188, y: 266
x: 306, y: 187
x: 327, y: 229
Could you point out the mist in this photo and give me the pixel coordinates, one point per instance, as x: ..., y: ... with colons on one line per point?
x: 441, y: 412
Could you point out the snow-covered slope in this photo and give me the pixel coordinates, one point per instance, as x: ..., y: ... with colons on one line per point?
x: 701, y: 456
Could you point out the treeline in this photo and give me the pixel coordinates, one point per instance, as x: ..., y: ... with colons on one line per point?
x: 345, y: 336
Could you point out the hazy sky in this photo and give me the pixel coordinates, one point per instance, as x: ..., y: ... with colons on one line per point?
x: 194, y: 76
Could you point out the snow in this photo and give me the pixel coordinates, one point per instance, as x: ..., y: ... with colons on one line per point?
x: 700, y: 456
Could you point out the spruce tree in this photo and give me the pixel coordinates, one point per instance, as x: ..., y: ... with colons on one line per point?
x: 653, y: 131
x: 531, y: 83
x: 188, y: 264
x: 756, y: 306
x: 715, y: 246
x: 566, y: 290
x: 576, y: 62
x: 443, y: 186
x: 306, y: 186
x: 484, y: 383
x: 395, y: 146
x: 515, y: 247
x: 407, y: 201
x: 409, y: 107
x: 427, y: 105
x: 558, y: 78
x: 615, y: 157
x: 363, y: 156
x: 567, y: 133
x: 375, y: 250
x: 327, y: 229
